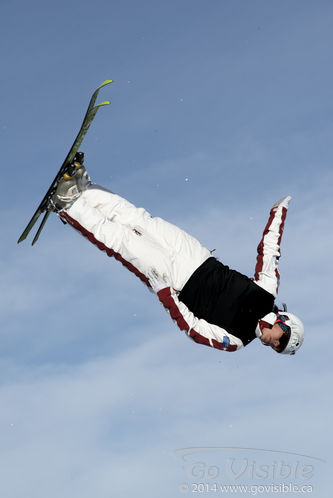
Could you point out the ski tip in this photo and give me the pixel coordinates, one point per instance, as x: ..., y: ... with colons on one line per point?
x: 106, y: 102
x: 106, y: 82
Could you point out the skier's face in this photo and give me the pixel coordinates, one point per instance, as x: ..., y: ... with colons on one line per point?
x: 271, y: 337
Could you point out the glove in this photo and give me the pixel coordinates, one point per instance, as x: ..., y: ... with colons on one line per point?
x: 284, y: 202
x: 158, y: 282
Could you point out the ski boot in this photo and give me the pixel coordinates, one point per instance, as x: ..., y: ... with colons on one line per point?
x: 70, y: 186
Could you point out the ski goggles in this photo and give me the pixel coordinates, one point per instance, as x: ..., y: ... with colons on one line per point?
x: 284, y: 339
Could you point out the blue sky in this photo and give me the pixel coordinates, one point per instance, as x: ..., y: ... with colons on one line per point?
x: 219, y: 108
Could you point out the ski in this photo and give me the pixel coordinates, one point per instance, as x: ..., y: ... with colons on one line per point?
x: 45, y: 205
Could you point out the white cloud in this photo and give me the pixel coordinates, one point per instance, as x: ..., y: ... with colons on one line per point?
x: 112, y: 425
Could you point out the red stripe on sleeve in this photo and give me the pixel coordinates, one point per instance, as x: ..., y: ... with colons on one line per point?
x: 260, y: 249
x: 169, y: 303
x: 261, y: 245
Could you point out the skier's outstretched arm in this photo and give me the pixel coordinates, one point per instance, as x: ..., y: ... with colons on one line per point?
x: 197, y: 329
x: 268, y: 253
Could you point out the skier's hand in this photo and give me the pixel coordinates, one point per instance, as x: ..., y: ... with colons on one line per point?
x: 284, y: 202
x: 157, y: 281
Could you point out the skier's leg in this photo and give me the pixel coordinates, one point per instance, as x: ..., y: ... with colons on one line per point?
x: 136, y: 251
x: 185, y: 252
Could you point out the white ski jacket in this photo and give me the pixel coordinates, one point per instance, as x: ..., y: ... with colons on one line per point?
x: 145, y: 245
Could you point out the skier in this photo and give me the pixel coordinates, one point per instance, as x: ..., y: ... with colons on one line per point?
x: 213, y: 304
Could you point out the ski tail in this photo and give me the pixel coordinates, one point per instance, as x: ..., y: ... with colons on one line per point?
x: 29, y: 226
x: 41, y: 226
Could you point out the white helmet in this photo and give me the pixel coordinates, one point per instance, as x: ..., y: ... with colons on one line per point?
x: 293, y: 332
